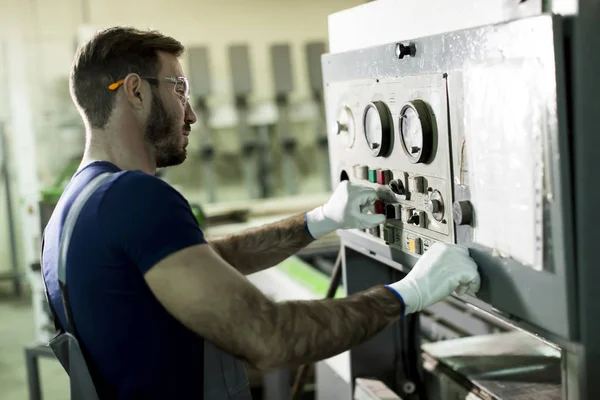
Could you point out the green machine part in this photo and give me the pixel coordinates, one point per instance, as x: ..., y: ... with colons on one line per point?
x: 199, y: 214
x: 304, y: 274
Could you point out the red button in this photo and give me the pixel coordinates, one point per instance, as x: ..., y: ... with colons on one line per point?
x: 384, y: 176
x: 379, y: 207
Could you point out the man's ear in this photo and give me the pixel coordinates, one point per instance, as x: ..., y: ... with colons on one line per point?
x: 134, y: 89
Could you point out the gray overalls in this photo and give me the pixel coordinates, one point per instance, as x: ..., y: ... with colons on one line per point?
x: 224, y: 376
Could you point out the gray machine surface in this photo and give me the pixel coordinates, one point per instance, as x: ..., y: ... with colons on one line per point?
x: 467, y: 136
x: 314, y: 51
x: 241, y: 77
x: 281, y: 61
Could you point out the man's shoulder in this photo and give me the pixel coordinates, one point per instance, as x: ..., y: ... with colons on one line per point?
x: 139, y: 184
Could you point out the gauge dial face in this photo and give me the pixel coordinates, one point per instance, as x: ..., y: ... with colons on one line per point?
x: 412, y: 132
x: 416, y: 133
x: 377, y: 127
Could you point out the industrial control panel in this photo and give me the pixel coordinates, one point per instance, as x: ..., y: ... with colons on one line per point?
x: 465, y: 137
x: 392, y: 134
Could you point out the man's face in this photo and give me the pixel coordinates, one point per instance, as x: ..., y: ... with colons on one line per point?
x: 169, y: 123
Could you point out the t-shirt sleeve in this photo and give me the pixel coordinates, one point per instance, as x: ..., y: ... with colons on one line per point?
x: 147, y: 220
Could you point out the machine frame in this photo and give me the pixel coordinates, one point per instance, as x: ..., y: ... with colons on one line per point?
x: 546, y: 303
x: 511, y: 290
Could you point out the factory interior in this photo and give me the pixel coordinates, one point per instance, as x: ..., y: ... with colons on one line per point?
x: 475, y: 122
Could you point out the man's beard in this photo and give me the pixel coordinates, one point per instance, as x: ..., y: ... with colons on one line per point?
x: 161, y: 133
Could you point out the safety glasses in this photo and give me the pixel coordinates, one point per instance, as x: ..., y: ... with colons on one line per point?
x: 180, y: 83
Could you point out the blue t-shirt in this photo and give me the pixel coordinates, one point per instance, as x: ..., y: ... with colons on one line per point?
x: 129, y: 224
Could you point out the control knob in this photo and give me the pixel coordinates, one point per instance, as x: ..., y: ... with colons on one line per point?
x: 397, y: 186
x: 433, y: 206
x: 462, y: 212
x: 338, y: 127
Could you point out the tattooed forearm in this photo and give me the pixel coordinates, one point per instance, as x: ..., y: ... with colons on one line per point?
x: 263, y: 247
x: 297, y: 332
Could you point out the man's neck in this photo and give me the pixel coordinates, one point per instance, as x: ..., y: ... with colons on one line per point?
x: 125, y: 155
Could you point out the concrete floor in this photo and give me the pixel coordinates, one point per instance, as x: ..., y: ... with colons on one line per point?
x: 16, y: 332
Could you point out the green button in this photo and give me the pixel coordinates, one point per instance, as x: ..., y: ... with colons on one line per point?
x: 372, y: 176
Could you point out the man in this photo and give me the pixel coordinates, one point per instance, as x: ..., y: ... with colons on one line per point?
x: 153, y: 301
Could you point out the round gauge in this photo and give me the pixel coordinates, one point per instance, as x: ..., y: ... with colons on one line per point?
x: 416, y: 132
x: 344, y: 127
x: 377, y: 124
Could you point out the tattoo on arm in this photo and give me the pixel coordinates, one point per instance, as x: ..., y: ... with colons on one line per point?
x: 297, y: 332
x: 256, y: 249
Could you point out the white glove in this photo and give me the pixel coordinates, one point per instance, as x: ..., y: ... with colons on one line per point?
x: 343, y: 211
x: 443, y: 269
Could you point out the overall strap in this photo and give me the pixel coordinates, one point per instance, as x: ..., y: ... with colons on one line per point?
x: 65, y: 240
x: 55, y: 319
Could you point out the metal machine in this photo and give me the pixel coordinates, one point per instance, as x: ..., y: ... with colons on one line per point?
x: 314, y: 51
x: 468, y: 137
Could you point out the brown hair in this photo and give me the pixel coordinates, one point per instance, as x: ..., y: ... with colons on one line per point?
x: 108, y: 57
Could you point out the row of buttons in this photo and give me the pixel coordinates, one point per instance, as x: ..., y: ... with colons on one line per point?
x: 411, y: 243
x: 408, y: 215
x: 382, y: 176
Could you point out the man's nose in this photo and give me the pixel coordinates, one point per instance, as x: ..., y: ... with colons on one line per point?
x: 190, y: 115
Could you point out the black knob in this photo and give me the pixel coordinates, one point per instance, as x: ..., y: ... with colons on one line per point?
x: 414, y: 219
x: 397, y: 186
x: 462, y: 212
x: 403, y: 50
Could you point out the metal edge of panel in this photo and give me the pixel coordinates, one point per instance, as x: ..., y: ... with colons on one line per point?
x: 442, y: 53
x: 586, y: 110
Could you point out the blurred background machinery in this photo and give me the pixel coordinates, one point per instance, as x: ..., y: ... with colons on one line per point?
x: 291, y: 103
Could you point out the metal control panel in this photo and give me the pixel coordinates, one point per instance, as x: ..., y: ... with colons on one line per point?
x: 465, y: 137
x: 392, y: 134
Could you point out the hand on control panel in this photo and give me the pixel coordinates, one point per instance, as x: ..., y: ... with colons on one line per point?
x: 344, y: 210
x: 443, y: 269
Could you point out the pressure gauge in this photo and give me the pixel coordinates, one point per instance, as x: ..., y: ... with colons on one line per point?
x: 377, y: 124
x: 416, y: 131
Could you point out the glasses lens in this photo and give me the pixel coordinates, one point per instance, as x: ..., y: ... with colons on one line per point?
x: 182, y: 88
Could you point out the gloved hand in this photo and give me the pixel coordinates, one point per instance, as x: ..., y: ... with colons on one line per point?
x: 443, y: 269
x: 344, y: 210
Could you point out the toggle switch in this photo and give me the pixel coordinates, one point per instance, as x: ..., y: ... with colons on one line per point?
x: 413, y: 219
x: 416, y: 218
x: 397, y: 187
